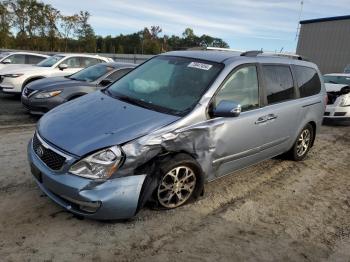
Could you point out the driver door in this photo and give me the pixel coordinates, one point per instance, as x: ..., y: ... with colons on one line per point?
x: 238, y: 138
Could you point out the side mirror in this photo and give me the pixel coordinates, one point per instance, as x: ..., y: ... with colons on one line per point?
x: 227, y: 109
x: 105, y: 82
x: 63, y: 66
x: 7, y: 61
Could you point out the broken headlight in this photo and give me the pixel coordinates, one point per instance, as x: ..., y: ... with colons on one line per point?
x: 99, y: 165
x: 345, y: 100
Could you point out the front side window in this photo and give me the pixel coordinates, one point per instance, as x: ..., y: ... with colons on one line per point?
x: 242, y: 87
x: 167, y: 84
x: 72, y: 62
x: 17, y: 59
x: 279, y: 83
x: 50, y: 61
x: 308, y: 81
x: 91, y: 73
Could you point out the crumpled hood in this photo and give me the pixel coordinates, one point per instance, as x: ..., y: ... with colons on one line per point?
x: 24, y: 69
x: 96, y: 121
x: 334, y: 87
x: 55, y: 83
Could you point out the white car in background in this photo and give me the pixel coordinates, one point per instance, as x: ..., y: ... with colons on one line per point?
x: 338, y: 91
x: 20, y: 58
x: 14, y: 78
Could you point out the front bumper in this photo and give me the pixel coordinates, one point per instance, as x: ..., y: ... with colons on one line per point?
x: 335, y: 114
x: 11, y: 85
x: 41, y: 106
x: 116, y: 198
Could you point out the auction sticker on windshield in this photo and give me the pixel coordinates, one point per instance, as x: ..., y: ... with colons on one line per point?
x: 200, y: 65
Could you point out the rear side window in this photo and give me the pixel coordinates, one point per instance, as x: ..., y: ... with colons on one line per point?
x: 32, y: 59
x: 308, y: 81
x: 89, y: 61
x: 279, y: 83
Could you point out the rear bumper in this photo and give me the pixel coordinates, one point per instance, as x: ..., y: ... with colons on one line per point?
x: 113, y: 199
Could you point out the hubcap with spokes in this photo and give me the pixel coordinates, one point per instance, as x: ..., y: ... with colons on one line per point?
x: 303, y: 142
x: 176, y: 187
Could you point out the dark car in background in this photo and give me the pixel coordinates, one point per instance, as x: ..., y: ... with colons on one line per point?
x: 42, y: 95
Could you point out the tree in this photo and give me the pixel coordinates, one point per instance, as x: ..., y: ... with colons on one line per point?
x: 5, y: 24
x: 52, y: 15
x: 69, y: 25
x: 85, y: 33
x: 155, y: 31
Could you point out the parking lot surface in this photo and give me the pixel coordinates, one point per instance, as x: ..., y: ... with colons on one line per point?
x: 277, y: 210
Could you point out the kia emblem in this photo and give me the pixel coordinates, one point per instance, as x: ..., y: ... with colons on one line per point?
x: 40, y: 151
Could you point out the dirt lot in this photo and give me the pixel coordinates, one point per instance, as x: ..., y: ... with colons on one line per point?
x: 275, y: 211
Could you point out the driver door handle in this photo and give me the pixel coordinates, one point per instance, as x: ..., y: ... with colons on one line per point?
x: 271, y: 116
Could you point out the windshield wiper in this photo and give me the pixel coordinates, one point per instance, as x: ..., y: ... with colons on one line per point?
x: 142, y: 103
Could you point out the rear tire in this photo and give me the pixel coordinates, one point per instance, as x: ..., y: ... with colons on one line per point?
x: 302, y: 144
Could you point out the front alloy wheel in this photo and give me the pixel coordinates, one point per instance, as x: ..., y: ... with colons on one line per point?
x: 176, y: 186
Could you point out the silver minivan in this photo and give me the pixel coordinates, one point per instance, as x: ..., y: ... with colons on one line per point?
x: 177, y: 121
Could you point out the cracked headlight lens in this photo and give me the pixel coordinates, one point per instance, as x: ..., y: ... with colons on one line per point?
x: 99, y: 165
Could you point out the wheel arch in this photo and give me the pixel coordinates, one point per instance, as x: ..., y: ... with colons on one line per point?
x: 314, y: 126
x: 153, y: 174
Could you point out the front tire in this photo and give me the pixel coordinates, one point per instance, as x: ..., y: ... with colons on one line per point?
x: 303, y: 143
x: 179, y: 181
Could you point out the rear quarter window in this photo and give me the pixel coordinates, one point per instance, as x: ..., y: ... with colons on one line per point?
x: 308, y: 81
x: 279, y: 83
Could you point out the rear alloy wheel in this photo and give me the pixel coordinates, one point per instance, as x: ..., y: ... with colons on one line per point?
x: 303, y: 143
x: 176, y: 186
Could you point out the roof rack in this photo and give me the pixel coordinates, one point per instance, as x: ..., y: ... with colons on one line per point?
x: 255, y: 53
x: 252, y: 53
x: 223, y: 49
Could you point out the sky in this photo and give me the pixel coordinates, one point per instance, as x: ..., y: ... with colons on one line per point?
x: 243, y: 24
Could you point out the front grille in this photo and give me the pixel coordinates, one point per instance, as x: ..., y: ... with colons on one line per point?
x: 49, y: 157
x: 27, y: 91
x: 327, y: 113
x: 339, y: 113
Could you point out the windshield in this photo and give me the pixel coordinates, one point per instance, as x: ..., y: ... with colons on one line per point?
x: 50, y: 61
x: 167, y: 84
x: 345, y: 80
x: 91, y: 73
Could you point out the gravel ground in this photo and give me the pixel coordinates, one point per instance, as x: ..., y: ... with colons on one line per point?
x: 278, y: 210
x: 12, y: 111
